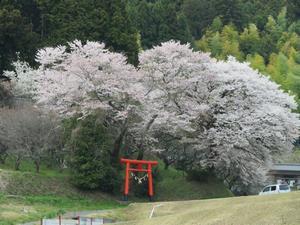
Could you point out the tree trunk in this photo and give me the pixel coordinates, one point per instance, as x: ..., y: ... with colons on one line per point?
x: 118, y: 144
x: 141, y: 148
x: 141, y: 152
x: 18, y: 163
x: 3, y: 153
x: 3, y: 159
x: 166, y: 166
x: 37, y: 165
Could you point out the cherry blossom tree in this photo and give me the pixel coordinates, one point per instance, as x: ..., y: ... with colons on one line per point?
x: 224, y: 115
x: 79, y: 78
x: 253, y: 124
x: 236, y: 120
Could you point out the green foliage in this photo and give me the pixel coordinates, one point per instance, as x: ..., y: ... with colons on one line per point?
x: 257, y: 62
x: 221, y: 44
x: 216, y: 25
x: 175, y: 185
x: 90, y: 143
x: 21, y: 209
x: 105, y: 21
x: 230, y: 11
x: 28, y: 25
x: 15, y: 36
x: 140, y: 190
x: 199, y: 174
x: 200, y: 14
x: 293, y: 7
x: 159, y: 21
x: 215, y: 45
x: 250, y: 40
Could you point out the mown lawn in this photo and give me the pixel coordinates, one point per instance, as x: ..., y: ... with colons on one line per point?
x: 283, y: 209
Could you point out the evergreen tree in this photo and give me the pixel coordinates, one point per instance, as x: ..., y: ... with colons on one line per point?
x: 230, y: 42
x: 159, y: 21
x: 90, y: 142
x: 257, y: 62
x: 216, y: 25
x: 15, y: 36
x: 105, y: 21
x: 200, y: 14
x: 278, y: 68
x: 293, y: 7
x: 229, y: 11
x: 270, y: 37
x: 215, y: 45
x: 250, y: 40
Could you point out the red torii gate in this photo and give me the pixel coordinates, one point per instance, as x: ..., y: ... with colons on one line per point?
x: 139, y: 168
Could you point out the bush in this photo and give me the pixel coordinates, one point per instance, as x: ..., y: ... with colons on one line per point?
x: 199, y: 174
x: 90, y: 145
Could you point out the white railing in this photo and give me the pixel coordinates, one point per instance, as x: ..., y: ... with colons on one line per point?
x: 80, y: 221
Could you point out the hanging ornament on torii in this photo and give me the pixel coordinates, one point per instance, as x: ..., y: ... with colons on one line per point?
x: 139, y: 168
x: 139, y: 179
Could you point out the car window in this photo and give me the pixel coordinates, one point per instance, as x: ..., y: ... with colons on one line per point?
x: 273, y: 188
x: 284, y: 187
x: 266, y: 189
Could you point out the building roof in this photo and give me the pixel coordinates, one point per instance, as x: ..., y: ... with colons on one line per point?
x: 286, y: 167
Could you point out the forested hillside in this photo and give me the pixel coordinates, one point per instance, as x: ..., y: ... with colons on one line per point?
x: 84, y: 83
x: 126, y: 26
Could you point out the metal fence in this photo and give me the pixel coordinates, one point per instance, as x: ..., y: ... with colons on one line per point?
x: 78, y: 221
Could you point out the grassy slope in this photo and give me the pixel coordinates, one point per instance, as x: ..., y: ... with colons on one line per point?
x: 174, y: 186
x: 33, y: 208
x: 267, y: 210
x: 26, y: 196
x: 50, y: 192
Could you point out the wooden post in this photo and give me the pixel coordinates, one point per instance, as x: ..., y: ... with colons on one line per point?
x: 126, y: 188
x: 59, y: 220
x: 42, y: 223
x: 78, y: 220
x: 150, y: 181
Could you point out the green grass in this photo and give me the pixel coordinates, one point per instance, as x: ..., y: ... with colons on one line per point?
x: 26, y: 196
x: 28, y: 166
x: 32, y: 208
x: 33, y: 196
x: 175, y: 186
x: 280, y: 209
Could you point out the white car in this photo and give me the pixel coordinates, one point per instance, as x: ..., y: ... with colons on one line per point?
x: 275, y: 189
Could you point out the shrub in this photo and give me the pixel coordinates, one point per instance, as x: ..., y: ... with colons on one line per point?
x: 90, y: 145
x: 199, y: 174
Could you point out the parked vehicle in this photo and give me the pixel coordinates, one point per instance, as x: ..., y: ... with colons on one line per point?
x: 275, y: 189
